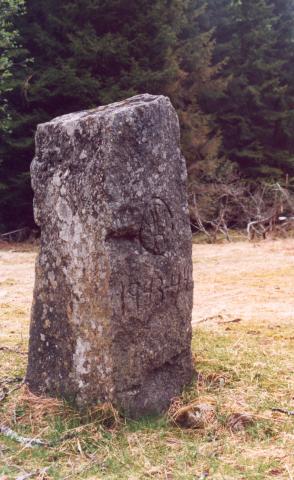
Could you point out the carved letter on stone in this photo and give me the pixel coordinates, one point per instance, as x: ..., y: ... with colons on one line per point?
x: 157, y: 227
x: 111, y: 316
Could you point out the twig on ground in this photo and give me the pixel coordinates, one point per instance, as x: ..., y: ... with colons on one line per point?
x: 13, y: 350
x: 6, y: 380
x: 41, y: 473
x: 282, y: 410
x: 207, y: 319
x: 5, y: 392
x: 235, y: 320
x: 220, y: 318
x: 26, y: 441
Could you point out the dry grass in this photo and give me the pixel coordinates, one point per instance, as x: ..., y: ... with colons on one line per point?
x: 251, y: 281
x: 244, y: 351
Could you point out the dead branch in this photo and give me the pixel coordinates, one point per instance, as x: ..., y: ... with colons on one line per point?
x: 19, y: 235
x: 215, y: 208
x: 40, y: 473
x: 4, y: 392
x: 282, y: 410
x: 13, y: 350
x: 26, y: 441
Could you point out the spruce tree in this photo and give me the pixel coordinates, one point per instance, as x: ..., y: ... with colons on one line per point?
x: 199, y: 80
x: 86, y: 53
x: 253, y: 107
x: 199, y: 77
x: 13, y: 64
x: 9, y: 54
x: 284, y: 10
x: 92, y: 52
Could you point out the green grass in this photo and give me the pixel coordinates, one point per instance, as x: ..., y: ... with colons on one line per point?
x: 244, y: 368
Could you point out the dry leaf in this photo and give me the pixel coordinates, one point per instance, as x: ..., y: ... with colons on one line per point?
x: 239, y: 421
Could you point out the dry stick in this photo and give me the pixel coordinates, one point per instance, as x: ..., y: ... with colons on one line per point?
x: 288, y: 471
x: 12, y: 232
x: 215, y: 317
x: 24, y: 475
x: 9, y: 392
x: 30, y: 442
x: 33, y: 474
x: 8, y: 349
x: 207, y: 319
x: 26, y: 441
x: 25, y: 446
x: 282, y: 410
x: 6, y: 380
x: 236, y: 320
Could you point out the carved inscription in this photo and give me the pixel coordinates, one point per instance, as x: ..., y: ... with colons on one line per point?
x: 157, y: 227
x: 141, y: 295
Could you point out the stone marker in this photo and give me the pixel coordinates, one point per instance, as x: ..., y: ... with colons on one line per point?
x: 111, y: 316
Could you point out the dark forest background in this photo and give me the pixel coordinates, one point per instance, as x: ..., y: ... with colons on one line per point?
x: 227, y: 65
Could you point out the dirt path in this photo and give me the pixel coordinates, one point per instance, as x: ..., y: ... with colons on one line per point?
x: 240, y: 280
x: 243, y: 280
x: 16, y: 289
x: 243, y: 369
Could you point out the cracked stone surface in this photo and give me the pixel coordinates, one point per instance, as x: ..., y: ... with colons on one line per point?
x: 111, y: 315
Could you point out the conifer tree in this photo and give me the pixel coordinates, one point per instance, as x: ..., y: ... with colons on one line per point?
x: 9, y: 54
x: 92, y: 52
x: 13, y: 63
x: 284, y: 10
x: 196, y: 82
x: 254, y: 107
x: 199, y: 79
x: 86, y: 53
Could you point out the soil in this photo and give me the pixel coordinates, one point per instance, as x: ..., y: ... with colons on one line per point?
x: 233, y: 282
x: 244, y: 281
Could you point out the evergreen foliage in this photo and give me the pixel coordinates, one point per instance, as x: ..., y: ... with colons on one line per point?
x: 197, y: 80
x: 284, y: 10
x: 227, y: 66
x: 9, y: 55
x: 86, y: 53
x: 92, y: 52
x: 13, y: 63
x: 254, y: 112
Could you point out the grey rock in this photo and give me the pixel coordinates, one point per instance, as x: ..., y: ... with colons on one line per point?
x: 111, y: 315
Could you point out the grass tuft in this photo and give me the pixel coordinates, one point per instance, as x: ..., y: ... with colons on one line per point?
x: 245, y: 369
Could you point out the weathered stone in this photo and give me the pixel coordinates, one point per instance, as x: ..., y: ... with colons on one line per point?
x: 111, y: 317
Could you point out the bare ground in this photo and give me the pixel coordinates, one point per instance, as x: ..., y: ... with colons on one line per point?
x: 252, y: 282
x: 243, y: 342
x: 16, y: 289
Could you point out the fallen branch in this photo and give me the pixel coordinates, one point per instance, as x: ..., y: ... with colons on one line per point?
x: 236, y: 320
x: 282, y: 410
x: 5, y: 392
x: 26, y: 441
x: 213, y: 317
x: 13, y: 350
x: 13, y: 232
x: 259, y: 223
x: 41, y: 473
x: 8, y: 380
